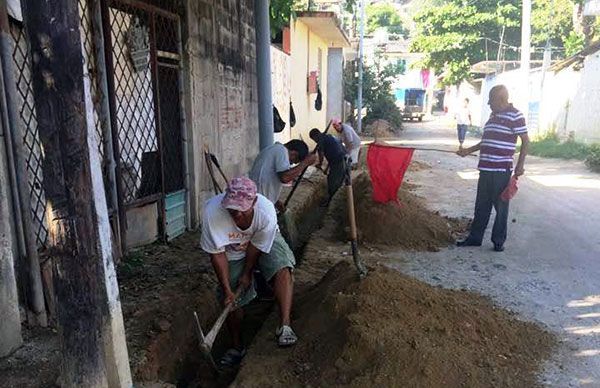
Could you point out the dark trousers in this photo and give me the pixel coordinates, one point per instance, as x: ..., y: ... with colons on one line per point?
x: 335, y: 177
x: 489, y: 187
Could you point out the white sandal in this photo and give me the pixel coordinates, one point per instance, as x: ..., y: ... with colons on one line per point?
x: 286, y: 336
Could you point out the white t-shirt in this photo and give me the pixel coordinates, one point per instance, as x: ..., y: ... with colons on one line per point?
x: 269, y: 162
x: 221, y: 234
x: 350, y: 138
x: 462, y: 115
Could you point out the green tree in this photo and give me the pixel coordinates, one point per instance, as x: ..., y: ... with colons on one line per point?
x: 574, y: 43
x: 458, y: 34
x: 384, y: 15
x: 551, y: 19
x: 378, y: 98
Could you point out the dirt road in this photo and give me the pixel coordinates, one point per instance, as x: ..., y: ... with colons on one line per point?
x: 550, y: 270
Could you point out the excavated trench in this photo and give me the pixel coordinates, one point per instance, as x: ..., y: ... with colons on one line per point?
x: 389, y: 328
x: 302, y: 218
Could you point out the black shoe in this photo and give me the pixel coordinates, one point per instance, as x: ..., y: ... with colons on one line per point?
x: 498, y: 247
x: 468, y: 243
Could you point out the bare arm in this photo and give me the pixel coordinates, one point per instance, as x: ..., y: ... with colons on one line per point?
x: 294, y: 172
x: 520, y: 169
x: 221, y: 267
x: 320, y: 163
x: 466, y: 151
x: 252, y: 255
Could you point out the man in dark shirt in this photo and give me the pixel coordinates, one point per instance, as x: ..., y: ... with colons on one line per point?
x: 335, y: 153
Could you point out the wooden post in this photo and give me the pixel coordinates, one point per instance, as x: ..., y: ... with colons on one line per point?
x: 94, y: 352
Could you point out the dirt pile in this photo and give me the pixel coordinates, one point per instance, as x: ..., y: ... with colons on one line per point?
x: 409, y: 225
x: 391, y: 330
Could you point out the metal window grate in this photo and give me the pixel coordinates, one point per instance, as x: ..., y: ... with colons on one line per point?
x: 134, y: 97
x: 31, y: 141
x: 27, y: 114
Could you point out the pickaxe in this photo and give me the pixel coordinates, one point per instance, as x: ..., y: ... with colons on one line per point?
x: 207, y: 341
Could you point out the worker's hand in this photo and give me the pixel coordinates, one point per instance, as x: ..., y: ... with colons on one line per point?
x: 280, y: 206
x: 310, y: 159
x: 519, y: 171
x: 229, y: 297
x: 463, y: 152
x: 245, y: 280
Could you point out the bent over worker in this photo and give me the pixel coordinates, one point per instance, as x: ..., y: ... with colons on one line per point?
x: 273, y: 167
x: 333, y: 150
x: 239, y: 232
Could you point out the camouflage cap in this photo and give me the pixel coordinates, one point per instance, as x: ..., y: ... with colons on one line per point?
x: 240, y: 194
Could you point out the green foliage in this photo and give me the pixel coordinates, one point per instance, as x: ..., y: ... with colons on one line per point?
x: 593, y: 158
x: 459, y: 33
x: 281, y: 12
x: 550, y: 146
x: 551, y: 19
x: 378, y: 98
x: 384, y: 15
x: 453, y: 35
x: 574, y: 43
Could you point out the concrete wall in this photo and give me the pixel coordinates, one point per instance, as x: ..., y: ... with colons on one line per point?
x: 305, y: 47
x: 335, y: 83
x: 281, y: 85
x: 221, y: 101
x: 566, y: 104
x: 583, y: 114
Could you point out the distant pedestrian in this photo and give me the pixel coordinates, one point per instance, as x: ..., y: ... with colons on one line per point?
x: 333, y: 150
x: 497, y: 148
x: 463, y: 120
x: 349, y: 138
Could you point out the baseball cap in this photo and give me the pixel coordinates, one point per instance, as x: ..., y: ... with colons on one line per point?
x: 240, y: 194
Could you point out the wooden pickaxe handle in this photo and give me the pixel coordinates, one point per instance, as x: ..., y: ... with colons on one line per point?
x: 207, y: 341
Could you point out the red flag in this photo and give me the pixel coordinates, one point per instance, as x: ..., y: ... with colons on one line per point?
x: 387, y: 166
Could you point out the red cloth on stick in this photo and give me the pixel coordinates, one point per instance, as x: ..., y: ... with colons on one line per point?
x: 387, y: 166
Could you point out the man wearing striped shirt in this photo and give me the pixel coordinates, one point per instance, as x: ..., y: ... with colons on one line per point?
x: 496, y: 151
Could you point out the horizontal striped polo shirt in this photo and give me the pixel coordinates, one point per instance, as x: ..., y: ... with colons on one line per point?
x: 499, y: 140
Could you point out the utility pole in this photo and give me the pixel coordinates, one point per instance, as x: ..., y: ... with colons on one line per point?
x: 359, y: 97
x: 92, y: 335
x: 525, y: 53
x: 263, y: 73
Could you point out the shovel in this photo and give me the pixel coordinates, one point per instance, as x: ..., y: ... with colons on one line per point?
x: 358, y: 263
x: 207, y: 341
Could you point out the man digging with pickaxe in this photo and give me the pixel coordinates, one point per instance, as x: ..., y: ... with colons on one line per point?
x: 239, y: 232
